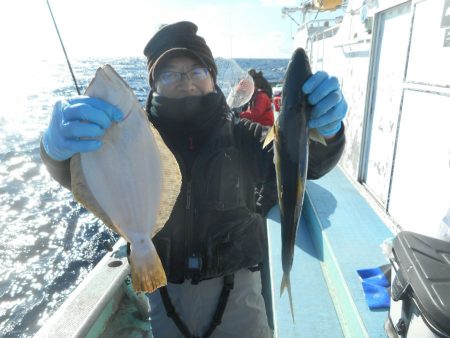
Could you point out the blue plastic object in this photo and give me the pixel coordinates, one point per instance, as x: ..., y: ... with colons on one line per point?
x: 329, y: 105
x: 376, y: 285
x: 377, y: 296
x: 374, y: 276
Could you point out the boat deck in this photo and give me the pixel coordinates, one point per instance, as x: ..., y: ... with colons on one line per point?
x: 314, y: 312
x: 339, y: 234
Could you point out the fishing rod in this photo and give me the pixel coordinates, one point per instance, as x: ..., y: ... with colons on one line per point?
x: 64, y: 49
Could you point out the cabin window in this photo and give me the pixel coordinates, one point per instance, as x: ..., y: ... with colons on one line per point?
x: 386, y: 77
x: 405, y: 160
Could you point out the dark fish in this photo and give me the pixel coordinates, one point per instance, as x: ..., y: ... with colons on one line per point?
x: 291, y: 143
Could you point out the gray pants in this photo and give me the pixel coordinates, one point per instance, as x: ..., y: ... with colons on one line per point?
x: 244, y: 316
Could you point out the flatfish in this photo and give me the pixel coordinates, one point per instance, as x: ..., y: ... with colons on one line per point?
x: 132, y: 182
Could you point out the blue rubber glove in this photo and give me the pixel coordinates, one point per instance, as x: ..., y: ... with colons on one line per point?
x: 329, y: 105
x: 77, y: 125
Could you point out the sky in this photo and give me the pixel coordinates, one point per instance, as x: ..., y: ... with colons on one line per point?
x: 110, y: 28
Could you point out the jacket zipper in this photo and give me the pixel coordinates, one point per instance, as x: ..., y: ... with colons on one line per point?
x: 188, y: 194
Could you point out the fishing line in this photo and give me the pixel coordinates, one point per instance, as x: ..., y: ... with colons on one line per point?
x: 64, y: 49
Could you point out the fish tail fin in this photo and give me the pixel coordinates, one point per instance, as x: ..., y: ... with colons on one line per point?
x: 269, y: 137
x: 286, y: 283
x: 147, y: 272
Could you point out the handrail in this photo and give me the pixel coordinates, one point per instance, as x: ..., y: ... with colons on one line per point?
x: 357, y: 42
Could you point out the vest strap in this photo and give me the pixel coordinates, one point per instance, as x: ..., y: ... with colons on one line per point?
x: 228, y: 284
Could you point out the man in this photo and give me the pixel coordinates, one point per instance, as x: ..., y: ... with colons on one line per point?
x: 214, y: 240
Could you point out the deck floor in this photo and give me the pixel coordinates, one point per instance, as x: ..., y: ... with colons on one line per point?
x: 315, y: 315
x: 348, y: 234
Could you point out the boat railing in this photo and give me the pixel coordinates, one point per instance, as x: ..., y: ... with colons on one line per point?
x: 324, y: 34
x: 319, y: 29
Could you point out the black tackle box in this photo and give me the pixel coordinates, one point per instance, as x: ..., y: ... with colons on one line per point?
x: 420, y: 287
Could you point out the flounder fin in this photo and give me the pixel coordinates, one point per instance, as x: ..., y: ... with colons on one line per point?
x: 171, y: 185
x: 316, y: 136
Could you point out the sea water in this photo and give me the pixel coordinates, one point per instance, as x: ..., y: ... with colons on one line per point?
x: 48, y: 242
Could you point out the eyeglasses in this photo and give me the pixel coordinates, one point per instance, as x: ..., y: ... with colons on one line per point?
x: 169, y: 78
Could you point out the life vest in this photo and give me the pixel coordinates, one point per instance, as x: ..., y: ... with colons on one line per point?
x: 213, y: 229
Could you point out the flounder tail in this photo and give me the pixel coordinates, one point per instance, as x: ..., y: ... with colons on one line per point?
x: 147, y: 272
x: 286, y: 283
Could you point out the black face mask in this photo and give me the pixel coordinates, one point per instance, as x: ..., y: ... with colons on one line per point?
x: 183, y: 110
x: 192, y: 113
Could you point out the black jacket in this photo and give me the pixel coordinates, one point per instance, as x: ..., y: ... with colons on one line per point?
x: 215, y: 227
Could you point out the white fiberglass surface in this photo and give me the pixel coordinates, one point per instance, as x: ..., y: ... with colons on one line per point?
x: 429, y: 58
x: 420, y: 195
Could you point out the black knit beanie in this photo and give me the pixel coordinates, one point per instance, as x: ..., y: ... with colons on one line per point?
x: 176, y: 40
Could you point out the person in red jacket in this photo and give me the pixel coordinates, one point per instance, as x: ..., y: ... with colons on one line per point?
x: 260, y: 106
x: 277, y: 99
